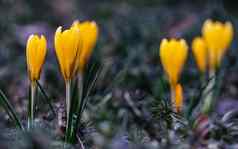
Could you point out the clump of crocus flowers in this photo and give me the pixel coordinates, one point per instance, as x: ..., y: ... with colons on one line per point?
x: 73, y: 48
x: 208, y: 50
x: 173, y: 54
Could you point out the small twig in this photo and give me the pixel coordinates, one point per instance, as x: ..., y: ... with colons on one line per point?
x: 132, y: 105
x: 145, y: 122
x: 80, y: 142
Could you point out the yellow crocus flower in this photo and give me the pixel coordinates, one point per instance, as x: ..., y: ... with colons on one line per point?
x: 218, y: 37
x: 173, y: 54
x: 178, y: 99
x: 89, y: 34
x: 67, y: 47
x: 35, y: 55
x: 199, y: 49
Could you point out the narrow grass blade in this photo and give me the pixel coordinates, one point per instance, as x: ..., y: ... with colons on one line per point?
x: 162, y: 89
x: 92, y: 85
x: 46, y: 98
x: 71, y: 133
x: 85, y: 86
x: 10, y: 110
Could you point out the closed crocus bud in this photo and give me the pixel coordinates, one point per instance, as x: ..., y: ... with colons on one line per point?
x: 89, y: 35
x: 173, y: 54
x: 218, y: 37
x: 178, y: 99
x: 67, y: 49
x: 200, y: 53
x: 35, y: 55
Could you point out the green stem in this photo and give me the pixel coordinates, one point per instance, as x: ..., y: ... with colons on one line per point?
x: 68, y: 110
x: 209, y: 94
x: 75, y: 122
x: 81, y: 99
x: 31, y: 105
x: 68, y: 100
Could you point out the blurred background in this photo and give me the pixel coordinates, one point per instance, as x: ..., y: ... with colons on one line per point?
x: 130, y: 32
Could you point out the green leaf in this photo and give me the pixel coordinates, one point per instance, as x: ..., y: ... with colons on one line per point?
x: 197, y: 98
x: 10, y: 110
x: 46, y: 98
x: 83, y: 88
x: 90, y: 84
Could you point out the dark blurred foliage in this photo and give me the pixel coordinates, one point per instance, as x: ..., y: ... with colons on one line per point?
x: 230, y: 6
x: 128, y: 47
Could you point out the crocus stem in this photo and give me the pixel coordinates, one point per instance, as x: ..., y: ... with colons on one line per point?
x: 68, y: 106
x: 68, y: 99
x: 80, y: 89
x: 31, y: 105
x: 78, y: 109
x: 172, y: 91
x: 209, y: 94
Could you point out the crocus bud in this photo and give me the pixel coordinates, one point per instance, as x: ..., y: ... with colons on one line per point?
x: 200, y: 53
x: 173, y: 54
x: 89, y: 35
x: 218, y: 37
x: 67, y: 47
x: 35, y: 55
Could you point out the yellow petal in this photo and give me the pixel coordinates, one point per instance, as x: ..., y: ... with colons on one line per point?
x: 173, y: 55
x: 178, y: 98
x: 68, y: 51
x: 200, y: 53
x: 29, y: 46
x: 41, y: 54
x: 76, y: 24
x: 59, y: 50
x: 218, y: 37
x: 66, y: 46
x: 88, y: 33
x: 35, y: 53
x: 226, y: 40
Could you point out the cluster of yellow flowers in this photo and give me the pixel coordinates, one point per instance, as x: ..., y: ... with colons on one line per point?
x: 173, y: 54
x: 73, y: 48
x: 208, y: 51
